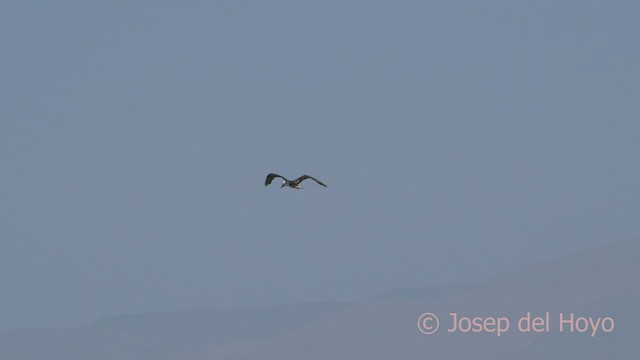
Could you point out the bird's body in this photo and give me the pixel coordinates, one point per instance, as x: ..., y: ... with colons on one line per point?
x: 294, y: 184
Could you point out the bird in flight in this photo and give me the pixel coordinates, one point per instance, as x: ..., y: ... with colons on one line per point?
x: 294, y: 184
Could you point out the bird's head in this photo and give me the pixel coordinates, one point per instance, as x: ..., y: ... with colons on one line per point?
x: 283, y: 184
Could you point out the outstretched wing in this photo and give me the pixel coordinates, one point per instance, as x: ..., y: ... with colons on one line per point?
x: 270, y: 178
x: 304, y: 177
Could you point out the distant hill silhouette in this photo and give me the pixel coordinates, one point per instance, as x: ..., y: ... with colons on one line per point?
x: 596, y: 282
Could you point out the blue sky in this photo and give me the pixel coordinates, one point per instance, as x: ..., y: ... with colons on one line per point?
x: 457, y: 140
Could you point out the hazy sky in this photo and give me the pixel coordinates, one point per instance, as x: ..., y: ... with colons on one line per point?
x: 457, y: 139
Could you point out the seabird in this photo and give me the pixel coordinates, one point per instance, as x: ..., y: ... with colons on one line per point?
x: 294, y: 184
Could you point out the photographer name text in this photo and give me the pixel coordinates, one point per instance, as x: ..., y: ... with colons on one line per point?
x: 428, y: 323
